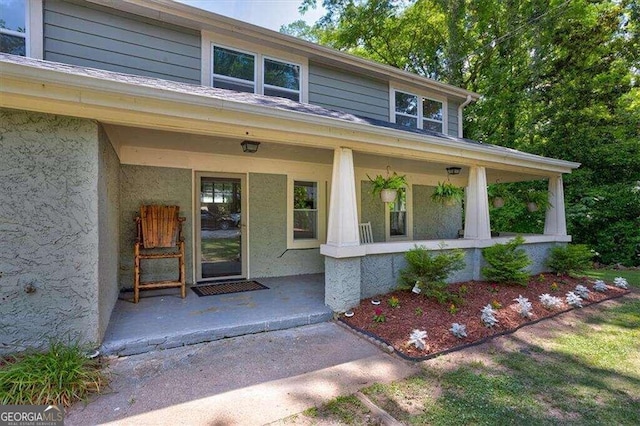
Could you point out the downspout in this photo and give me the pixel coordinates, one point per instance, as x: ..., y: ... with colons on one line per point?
x: 460, y: 108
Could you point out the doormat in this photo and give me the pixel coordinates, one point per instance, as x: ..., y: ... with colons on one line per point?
x: 228, y: 287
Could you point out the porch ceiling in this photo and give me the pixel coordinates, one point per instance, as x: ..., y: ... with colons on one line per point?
x: 438, y: 169
x: 122, y: 136
x: 126, y: 136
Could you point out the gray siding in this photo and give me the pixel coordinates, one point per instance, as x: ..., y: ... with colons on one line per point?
x: 345, y: 91
x: 269, y: 256
x: 452, y: 117
x: 99, y: 37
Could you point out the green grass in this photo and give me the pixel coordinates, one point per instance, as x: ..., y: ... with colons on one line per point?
x: 586, y: 375
x: 60, y: 376
x: 216, y: 249
x: 607, y: 275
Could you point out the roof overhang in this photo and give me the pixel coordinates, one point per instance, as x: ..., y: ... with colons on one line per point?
x: 191, y: 17
x: 32, y: 88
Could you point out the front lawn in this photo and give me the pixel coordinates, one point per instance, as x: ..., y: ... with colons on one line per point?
x: 631, y: 275
x: 583, y: 370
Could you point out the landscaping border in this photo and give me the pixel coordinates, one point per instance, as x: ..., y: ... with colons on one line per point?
x: 387, y: 345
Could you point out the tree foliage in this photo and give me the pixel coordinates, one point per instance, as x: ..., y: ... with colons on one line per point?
x: 559, y: 78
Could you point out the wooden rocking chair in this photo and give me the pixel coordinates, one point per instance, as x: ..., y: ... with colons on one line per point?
x: 159, y: 227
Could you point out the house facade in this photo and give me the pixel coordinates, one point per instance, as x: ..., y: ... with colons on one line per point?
x: 108, y: 105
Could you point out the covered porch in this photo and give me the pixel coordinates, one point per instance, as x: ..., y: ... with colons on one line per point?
x: 162, y: 320
x: 148, y: 141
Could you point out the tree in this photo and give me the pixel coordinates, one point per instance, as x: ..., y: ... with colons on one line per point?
x: 559, y: 78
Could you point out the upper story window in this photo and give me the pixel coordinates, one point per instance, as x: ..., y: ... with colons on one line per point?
x: 234, y: 70
x: 281, y: 79
x: 13, y: 34
x: 412, y: 110
x: 238, y: 70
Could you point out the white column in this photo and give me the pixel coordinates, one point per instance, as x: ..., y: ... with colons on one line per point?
x: 476, y: 219
x: 343, y: 210
x: 555, y: 221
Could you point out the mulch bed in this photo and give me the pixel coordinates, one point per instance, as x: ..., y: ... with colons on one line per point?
x: 418, y: 312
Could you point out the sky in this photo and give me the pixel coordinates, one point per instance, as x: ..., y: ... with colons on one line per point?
x: 270, y: 14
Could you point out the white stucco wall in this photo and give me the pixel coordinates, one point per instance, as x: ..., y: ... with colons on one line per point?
x: 49, y: 235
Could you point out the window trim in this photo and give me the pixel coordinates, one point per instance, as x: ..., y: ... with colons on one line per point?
x: 420, y: 118
x: 33, y: 30
x: 321, y: 209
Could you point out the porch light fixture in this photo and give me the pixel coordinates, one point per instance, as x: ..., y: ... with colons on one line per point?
x: 250, y: 146
x: 453, y: 170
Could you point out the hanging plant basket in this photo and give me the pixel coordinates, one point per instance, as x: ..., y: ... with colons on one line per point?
x: 536, y: 200
x: 447, y: 194
x: 388, y: 195
x: 387, y: 187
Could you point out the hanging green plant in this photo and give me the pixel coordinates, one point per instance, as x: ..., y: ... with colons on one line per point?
x: 536, y: 200
x: 447, y: 194
x: 498, y: 194
x: 387, y: 187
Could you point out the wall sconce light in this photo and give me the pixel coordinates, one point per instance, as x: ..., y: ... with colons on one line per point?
x: 453, y: 170
x: 250, y: 146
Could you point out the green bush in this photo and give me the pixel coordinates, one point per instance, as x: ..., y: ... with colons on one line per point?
x: 60, y: 376
x: 507, y: 262
x: 430, y: 271
x: 573, y: 258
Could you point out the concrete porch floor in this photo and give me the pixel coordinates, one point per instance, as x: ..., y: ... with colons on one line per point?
x: 163, y: 320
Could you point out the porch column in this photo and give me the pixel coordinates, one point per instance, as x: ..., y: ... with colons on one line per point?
x: 476, y: 219
x: 343, y: 210
x: 342, y: 252
x: 555, y: 221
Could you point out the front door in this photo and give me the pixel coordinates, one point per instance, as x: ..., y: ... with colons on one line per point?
x: 219, y: 225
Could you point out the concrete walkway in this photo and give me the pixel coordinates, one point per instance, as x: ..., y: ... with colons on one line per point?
x: 247, y: 380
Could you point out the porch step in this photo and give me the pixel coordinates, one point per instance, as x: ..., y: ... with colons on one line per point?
x: 154, y: 341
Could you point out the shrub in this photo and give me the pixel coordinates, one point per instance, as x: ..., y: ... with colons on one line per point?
x: 582, y: 291
x: 600, y: 286
x: 507, y: 262
x: 60, y: 376
x: 488, y: 316
x: 524, y: 306
x: 572, y: 258
x: 550, y: 302
x: 574, y: 300
x: 417, y: 338
x: 458, y: 330
x: 393, y: 302
x: 621, y: 283
x: 429, y: 272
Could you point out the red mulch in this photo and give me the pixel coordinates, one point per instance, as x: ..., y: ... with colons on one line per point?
x: 436, y: 319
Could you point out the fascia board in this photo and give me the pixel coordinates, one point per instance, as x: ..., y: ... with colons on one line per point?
x: 33, y: 82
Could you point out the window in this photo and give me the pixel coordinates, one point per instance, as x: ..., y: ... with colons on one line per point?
x: 398, y: 215
x: 233, y: 70
x: 13, y: 35
x: 244, y: 71
x: 305, y: 210
x: 281, y: 79
x: 414, y: 111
